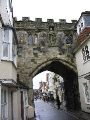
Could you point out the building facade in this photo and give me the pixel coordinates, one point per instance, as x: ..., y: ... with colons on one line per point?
x: 13, y: 97
x: 83, y: 60
x: 55, y: 85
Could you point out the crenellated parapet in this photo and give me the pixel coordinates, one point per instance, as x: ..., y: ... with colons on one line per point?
x: 46, y: 34
x: 38, y: 23
x: 40, y: 20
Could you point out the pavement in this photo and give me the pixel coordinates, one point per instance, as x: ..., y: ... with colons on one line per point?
x: 79, y: 114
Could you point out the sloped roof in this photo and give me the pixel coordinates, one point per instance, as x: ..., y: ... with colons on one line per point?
x: 83, y: 35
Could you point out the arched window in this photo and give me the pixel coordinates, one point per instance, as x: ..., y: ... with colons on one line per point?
x: 30, y: 40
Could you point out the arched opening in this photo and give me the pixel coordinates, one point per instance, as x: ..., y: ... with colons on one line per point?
x: 49, y: 86
x: 70, y: 81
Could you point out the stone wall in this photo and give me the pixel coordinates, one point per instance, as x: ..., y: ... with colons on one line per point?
x: 45, y: 46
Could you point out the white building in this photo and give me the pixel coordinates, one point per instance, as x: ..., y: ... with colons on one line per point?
x: 82, y: 54
x: 50, y: 81
x: 13, y: 97
x: 55, y: 87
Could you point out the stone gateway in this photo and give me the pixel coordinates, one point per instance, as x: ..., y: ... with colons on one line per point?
x: 48, y: 46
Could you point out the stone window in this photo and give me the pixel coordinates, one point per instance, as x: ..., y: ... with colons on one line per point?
x: 69, y: 39
x: 30, y: 40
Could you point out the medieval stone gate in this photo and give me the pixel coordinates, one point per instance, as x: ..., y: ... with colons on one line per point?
x: 48, y: 46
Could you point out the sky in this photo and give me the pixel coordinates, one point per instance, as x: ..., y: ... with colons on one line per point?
x: 50, y: 9
x: 40, y: 77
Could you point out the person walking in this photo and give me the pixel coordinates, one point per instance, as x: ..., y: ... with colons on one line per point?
x: 58, y: 102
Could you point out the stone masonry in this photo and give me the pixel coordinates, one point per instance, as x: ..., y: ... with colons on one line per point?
x: 47, y: 46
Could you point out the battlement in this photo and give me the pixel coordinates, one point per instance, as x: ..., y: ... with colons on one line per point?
x: 50, y: 20
x: 62, y: 20
x: 39, y: 20
x: 25, y: 19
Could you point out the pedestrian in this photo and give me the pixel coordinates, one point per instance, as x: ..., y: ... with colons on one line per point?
x: 58, y: 102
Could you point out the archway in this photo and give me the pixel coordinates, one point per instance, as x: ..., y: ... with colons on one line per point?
x: 69, y: 75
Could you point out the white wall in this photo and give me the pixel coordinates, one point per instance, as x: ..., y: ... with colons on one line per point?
x: 17, y: 105
x: 7, y: 70
x: 5, y: 12
x: 81, y: 66
x: 84, y: 106
x: 83, y: 70
x: 79, y: 25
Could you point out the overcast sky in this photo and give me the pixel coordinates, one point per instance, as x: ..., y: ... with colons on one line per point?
x: 45, y: 9
x: 40, y: 77
x: 49, y: 9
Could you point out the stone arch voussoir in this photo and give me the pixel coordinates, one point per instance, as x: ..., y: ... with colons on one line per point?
x: 68, y: 64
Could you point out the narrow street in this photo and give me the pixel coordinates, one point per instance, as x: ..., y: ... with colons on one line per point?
x: 47, y: 111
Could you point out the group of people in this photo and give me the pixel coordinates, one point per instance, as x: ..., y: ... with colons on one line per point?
x: 48, y: 98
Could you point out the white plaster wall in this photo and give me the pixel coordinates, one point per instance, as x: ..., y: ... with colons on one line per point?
x: 79, y: 25
x: 5, y: 12
x: 84, y: 106
x: 81, y: 66
x: 7, y: 70
x: 17, y: 105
